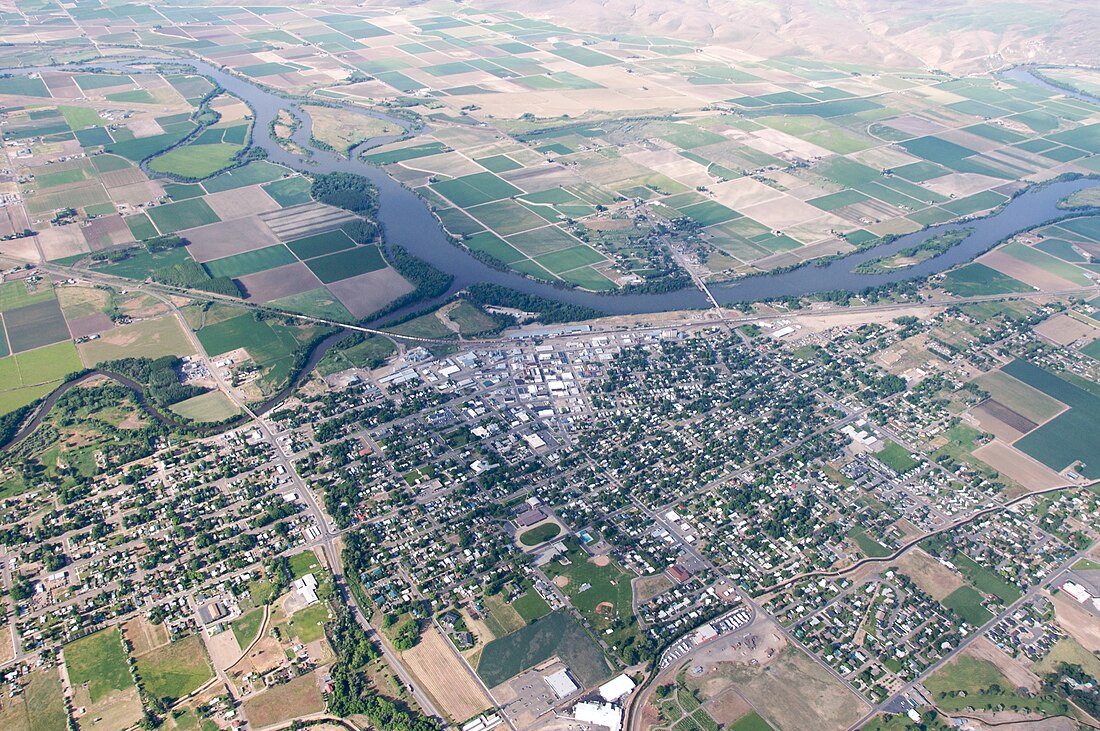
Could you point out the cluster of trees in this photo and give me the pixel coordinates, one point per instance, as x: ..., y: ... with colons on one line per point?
x: 346, y: 190
x: 928, y: 249
x: 193, y: 275
x: 1071, y: 681
x: 159, y: 378
x: 407, y: 636
x: 550, y: 311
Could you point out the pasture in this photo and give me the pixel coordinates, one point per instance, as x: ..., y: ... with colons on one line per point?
x: 212, y: 406
x: 557, y: 634
x: 98, y: 661
x: 175, y: 670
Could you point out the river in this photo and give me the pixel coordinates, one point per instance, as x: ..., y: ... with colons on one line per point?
x: 408, y: 222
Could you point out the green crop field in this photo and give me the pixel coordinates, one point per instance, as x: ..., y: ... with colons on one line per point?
x: 542, y: 241
x: 316, y: 302
x: 35, y: 325
x: 140, y: 263
x: 250, y: 262
x: 977, y: 279
x: 183, y: 215
x: 1047, y: 263
x: 491, y: 244
x: 506, y: 217
x: 571, y: 258
x: 967, y: 603
x: 100, y: 661
x: 1068, y: 437
x: 289, y: 191
x: 176, y: 669
x: 345, y: 264
x: 48, y: 364
x: 24, y: 86
x: 471, y: 190
x: 321, y: 244
x: 141, y: 227
x: 253, y: 173
x: 195, y: 161
x: 556, y: 634
x: 498, y: 163
x: 1020, y: 397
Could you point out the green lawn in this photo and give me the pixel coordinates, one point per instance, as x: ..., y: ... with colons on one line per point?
x: 896, y: 457
x: 304, y: 563
x: 100, y: 661
x: 751, y: 722
x: 309, y: 623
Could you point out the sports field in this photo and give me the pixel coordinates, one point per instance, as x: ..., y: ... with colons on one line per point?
x: 212, y: 406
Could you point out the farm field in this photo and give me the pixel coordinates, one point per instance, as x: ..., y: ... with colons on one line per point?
x: 1069, y: 437
x: 444, y: 677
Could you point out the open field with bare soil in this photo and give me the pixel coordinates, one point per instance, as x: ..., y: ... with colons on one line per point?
x: 443, y: 676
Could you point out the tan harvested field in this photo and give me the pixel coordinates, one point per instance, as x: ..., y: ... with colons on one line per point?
x: 228, y: 237
x: 137, y: 193
x: 122, y: 178
x: 118, y: 711
x: 82, y: 301
x: 1063, y: 329
x: 1077, y: 621
x: 1020, y: 676
x: 1026, y: 273
x: 1030, y: 473
x: 299, y: 697
x: 148, y: 338
x: 144, y: 635
x: 7, y: 651
x: 58, y: 242
x: 106, y: 231
x: 24, y: 249
x: 451, y: 164
x: 444, y: 677
x: 297, y: 222
x: 247, y: 201
x: 367, y: 293
x: 929, y: 574
x: 279, y: 282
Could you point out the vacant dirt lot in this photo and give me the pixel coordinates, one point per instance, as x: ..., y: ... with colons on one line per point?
x: 1023, y: 469
x: 445, y: 678
x: 299, y: 697
x: 1077, y: 621
x: 228, y: 237
x: 1020, y: 676
x: 144, y: 635
x: 928, y: 573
